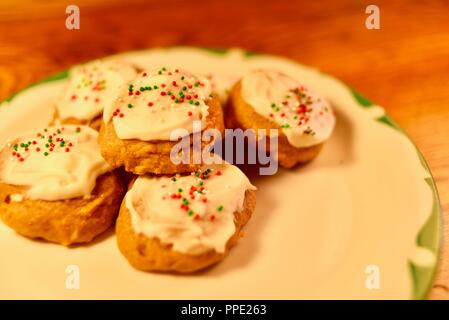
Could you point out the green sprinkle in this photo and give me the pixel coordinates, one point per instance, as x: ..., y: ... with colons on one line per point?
x: 160, y: 72
x: 184, y: 88
x: 164, y: 69
x: 142, y: 89
x: 197, y: 103
x: 47, y: 145
x: 176, y: 100
x: 45, y: 153
x: 196, y: 84
x: 182, y: 78
x: 130, y: 106
x: 273, y: 105
x: 185, y: 201
x: 191, y: 101
x: 180, y: 190
x: 155, y: 87
x: 220, y: 208
x: 190, y: 212
x: 16, y: 147
x: 201, y: 182
x: 173, y: 179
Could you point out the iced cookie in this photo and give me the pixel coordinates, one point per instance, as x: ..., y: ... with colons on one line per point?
x: 90, y: 89
x: 137, y: 129
x: 265, y: 99
x: 184, y: 223
x: 55, y: 185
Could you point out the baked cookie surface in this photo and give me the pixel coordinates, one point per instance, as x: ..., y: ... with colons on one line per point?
x: 55, y: 185
x: 152, y: 115
x: 185, y: 223
x: 264, y: 100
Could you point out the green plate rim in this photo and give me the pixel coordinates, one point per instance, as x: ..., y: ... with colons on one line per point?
x: 430, y: 235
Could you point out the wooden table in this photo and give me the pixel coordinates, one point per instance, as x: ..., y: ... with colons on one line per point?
x: 404, y: 66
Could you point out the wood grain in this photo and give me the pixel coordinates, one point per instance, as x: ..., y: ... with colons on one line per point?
x: 403, y: 66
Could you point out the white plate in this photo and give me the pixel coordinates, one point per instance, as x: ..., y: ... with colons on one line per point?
x: 361, y: 221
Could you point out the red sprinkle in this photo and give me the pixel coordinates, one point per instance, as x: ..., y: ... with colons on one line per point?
x: 150, y: 104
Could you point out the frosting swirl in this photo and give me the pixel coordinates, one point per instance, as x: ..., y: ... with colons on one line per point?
x: 55, y: 164
x: 304, y: 117
x: 92, y: 87
x: 195, y: 213
x: 158, y: 102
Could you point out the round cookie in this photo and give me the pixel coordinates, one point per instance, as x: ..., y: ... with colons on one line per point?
x: 264, y: 100
x: 91, y: 88
x: 54, y: 185
x: 137, y: 131
x: 185, y: 223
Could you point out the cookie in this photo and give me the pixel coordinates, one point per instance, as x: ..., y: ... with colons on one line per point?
x: 265, y: 99
x: 184, y: 223
x: 91, y: 87
x: 54, y: 185
x: 137, y: 132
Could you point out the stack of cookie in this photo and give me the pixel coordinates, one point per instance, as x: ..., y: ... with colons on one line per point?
x: 68, y: 183
x: 183, y: 216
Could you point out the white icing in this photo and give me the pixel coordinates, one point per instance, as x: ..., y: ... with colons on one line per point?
x: 222, y: 83
x: 153, y: 114
x: 65, y: 168
x: 92, y: 87
x: 156, y: 214
x: 305, y: 118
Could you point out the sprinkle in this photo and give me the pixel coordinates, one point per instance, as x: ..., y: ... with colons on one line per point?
x: 220, y: 208
x: 150, y: 104
x: 130, y: 106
